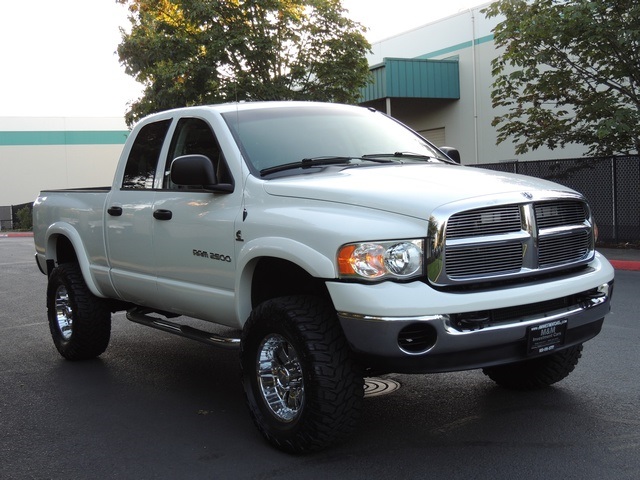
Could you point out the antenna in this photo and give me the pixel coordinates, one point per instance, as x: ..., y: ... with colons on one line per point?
x: 244, y: 174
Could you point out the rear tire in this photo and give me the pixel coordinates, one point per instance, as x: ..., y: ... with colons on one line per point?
x: 80, y: 322
x: 302, y: 388
x: 537, y: 372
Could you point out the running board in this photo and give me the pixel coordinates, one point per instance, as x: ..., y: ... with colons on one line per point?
x: 140, y: 316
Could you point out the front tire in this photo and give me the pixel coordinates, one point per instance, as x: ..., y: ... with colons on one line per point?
x: 80, y: 322
x: 303, y: 390
x: 537, y: 372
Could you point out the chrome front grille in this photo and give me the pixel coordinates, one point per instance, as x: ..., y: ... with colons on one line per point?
x: 483, y: 260
x: 558, y: 214
x: 510, y: 240
x: 561, y: 249
x: 484, y: 221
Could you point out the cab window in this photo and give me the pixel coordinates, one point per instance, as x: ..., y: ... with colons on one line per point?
x: 140, y: 170
x: 194, y: 136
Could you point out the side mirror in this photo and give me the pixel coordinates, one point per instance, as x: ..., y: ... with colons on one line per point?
x: 197, y: 170
x: 452, y: 153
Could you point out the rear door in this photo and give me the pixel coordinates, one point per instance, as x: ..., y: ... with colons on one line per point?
x: 129, y: 219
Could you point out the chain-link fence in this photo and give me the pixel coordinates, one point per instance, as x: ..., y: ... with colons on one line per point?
x: 610, y: 184
x: 9, y: 219
x: 6, y: 220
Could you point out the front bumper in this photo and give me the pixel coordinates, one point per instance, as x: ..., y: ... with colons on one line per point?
x: 383, y: 342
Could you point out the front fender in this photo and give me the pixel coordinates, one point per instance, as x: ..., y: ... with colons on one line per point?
x: 310, y: 260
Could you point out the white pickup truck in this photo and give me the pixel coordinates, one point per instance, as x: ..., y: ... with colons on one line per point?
x: 332, y: 243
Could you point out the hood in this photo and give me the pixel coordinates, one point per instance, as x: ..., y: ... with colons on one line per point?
x: 407, y: 189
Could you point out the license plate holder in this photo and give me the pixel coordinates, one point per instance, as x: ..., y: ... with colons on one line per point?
x: 546, y: 337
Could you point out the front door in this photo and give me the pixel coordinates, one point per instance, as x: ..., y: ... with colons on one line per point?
x: 194, y: 243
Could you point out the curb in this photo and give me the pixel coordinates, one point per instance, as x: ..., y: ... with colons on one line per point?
x: 16, y: 234
x: 625, y: 265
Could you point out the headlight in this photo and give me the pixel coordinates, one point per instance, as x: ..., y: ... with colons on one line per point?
x: 399, y: 259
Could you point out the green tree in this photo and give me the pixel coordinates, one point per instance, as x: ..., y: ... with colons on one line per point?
x: 191, y: 52
x: 25, y: 222
x: 568, y: 73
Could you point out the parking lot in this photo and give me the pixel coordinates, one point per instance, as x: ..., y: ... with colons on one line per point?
x: 155, y: 406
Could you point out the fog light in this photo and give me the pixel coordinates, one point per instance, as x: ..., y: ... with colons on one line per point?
x: 417, y: 338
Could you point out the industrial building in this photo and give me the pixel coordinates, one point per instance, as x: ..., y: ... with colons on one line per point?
x: 437, y: 79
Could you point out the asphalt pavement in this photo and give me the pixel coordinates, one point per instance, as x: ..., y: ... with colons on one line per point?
x: 155, y: 406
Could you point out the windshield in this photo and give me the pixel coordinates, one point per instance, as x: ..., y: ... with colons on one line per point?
x: 271, y: 137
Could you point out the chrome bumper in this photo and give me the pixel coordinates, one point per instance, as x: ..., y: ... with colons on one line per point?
x: 382, y: 343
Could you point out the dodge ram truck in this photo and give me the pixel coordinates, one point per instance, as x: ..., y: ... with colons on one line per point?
x: 326, y: 243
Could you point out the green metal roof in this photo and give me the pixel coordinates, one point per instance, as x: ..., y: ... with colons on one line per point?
x: 413, y: 78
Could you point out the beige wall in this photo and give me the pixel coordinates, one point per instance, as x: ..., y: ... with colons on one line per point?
x: 25, y: 170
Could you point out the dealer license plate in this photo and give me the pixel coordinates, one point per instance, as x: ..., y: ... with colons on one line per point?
x: 546, y: 337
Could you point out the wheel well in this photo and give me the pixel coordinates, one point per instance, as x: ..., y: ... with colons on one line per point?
x: 65, y: 253
x: 274, y: 277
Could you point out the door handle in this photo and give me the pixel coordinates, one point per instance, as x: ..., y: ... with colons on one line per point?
x: 162, y: 214
x: 114, y: 211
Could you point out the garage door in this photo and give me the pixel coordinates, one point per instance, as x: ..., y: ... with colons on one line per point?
x: 435, y: 136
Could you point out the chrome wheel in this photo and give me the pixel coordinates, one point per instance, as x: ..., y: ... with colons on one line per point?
x: 302, y: 387
x: 280, y: 377
x: 64, y: 312
x: 79, y: 322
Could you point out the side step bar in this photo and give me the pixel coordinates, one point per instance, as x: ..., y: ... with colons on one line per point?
x: 138, y: 315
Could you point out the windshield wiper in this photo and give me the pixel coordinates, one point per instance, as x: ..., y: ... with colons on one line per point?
x: 323, y: 161
x: 399, y: 155
x: 409, y: 155
x: 307, y: 163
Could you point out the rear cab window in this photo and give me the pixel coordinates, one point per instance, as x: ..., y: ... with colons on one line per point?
x: 140, y: 170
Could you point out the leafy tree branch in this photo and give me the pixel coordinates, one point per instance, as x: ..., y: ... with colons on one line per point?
x: 568, y: 74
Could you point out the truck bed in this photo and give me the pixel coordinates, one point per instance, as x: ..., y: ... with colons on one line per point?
x: 80, y: 190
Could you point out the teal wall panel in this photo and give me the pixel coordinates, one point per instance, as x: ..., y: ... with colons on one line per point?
x: 80, y: 137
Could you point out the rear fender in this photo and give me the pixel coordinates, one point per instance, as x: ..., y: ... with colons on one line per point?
x: 53, y: 237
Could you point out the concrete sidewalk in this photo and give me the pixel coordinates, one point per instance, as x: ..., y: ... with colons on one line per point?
x: 620, y: 258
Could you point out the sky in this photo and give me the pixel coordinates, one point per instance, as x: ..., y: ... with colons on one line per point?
x: 58, y: 57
